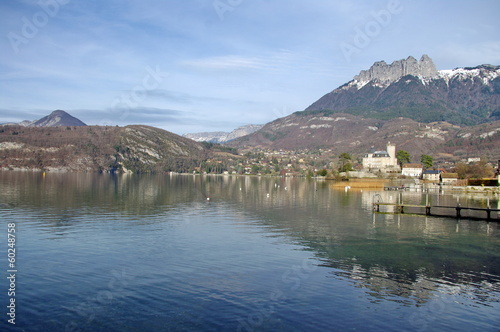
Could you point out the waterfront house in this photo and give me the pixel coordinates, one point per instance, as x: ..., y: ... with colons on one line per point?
x: 413, y: 170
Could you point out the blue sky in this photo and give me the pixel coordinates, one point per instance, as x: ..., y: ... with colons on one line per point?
x: 209, y: 65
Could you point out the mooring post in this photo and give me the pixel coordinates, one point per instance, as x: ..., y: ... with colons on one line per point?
x: 488, y: 211
x: 427, y: 207
x: 458, y: 208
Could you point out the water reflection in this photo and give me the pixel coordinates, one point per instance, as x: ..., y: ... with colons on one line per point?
x: 406, y: 259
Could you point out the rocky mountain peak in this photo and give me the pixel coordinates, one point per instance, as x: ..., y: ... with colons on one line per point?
x: 381, y: 71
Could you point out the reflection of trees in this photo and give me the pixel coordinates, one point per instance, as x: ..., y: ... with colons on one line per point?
x: 406, y: 256
x: 127, y: 194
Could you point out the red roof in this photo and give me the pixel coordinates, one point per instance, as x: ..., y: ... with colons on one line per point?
x: 412, y: 166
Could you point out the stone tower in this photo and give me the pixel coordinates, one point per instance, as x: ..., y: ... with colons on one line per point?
x: 391, y: 150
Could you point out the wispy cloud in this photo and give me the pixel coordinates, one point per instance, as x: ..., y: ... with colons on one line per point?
x: 135, y: 115
x: 228, y: 62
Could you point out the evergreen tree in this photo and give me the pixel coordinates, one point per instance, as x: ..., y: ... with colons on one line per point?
x: 345, y: 162
x: 403, y: 157
x: 426, y: 160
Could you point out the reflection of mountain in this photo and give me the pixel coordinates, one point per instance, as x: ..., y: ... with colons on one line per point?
x: 410, y: 257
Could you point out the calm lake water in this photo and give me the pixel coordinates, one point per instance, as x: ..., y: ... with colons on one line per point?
x: 151, y: 253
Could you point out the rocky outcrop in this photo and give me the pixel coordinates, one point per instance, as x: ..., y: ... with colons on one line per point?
x: 242, y: 131
x: 381, y: 71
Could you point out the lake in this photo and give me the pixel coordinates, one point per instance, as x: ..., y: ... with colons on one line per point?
x: 100, y: 252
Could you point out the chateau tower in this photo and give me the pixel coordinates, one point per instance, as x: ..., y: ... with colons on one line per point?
x: 391, y: 150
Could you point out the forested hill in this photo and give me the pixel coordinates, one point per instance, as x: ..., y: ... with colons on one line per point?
x: 96, y: 148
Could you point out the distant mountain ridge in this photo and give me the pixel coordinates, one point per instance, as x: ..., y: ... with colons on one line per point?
x: 416, y: 90
x: 222, y: 136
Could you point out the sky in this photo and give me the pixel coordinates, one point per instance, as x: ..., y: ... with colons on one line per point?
x: 214, y: 65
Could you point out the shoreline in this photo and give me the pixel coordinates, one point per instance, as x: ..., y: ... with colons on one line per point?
x: 351, y: 183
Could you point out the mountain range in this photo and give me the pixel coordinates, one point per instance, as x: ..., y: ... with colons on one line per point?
x: 408, y: 102
x: 222, y: 136
x: 450, y: 114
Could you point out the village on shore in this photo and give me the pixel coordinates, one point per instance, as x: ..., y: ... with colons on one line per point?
x: 375, y: 164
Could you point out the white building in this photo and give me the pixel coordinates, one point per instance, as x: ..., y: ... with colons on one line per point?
x: 382, y: 160
x: 413, y: 170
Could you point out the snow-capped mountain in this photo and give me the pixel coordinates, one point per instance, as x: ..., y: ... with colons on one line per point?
x: 416, y: 90
x: 410, y: 103
x: 222, y: 136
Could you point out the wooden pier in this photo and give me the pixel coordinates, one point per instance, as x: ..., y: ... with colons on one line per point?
x: 396, y: 188
x: 456, y: 211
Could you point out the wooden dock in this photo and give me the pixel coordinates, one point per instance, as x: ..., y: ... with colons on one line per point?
x: 456, y: 211
x: 396, y: 188
x: 400, y: 209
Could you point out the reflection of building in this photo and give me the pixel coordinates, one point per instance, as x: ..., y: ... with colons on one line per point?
x: 383, y: 160
x: 431, y: 175
x: 413, y: 170
x: 449, y: 178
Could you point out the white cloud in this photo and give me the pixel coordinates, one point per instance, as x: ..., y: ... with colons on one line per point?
x: 228, y: 62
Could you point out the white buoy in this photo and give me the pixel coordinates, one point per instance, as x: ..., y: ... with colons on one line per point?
x: 208, y: 198
x: 267, y: 195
